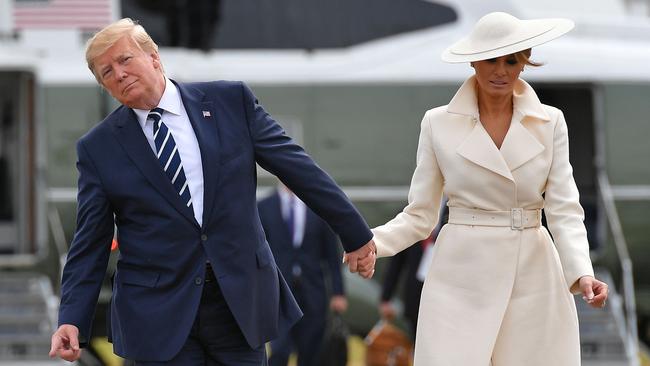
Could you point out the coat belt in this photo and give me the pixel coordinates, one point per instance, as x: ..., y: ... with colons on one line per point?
x: 515, y: 218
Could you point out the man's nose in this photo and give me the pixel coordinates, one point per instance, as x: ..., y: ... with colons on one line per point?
x: 120, y: 73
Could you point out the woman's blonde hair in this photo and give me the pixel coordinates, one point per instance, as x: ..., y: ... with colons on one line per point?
x: 523, y: 57
x: 105, y: 38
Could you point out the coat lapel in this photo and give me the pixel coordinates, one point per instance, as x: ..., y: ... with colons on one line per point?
x: 203, y: 118
x: 479, y: 148
x: 519, y: 145
x: 134, y: 142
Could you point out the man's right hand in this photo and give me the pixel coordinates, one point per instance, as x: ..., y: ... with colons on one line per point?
x: 65, y: 343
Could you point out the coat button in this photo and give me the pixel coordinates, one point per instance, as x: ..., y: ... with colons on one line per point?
x: 198, y: 281
x: 204, y: 237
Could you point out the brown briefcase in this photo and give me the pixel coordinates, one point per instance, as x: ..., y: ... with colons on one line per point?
x: 387, y: 345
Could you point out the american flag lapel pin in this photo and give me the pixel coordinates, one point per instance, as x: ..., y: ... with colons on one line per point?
x: 206, y: 114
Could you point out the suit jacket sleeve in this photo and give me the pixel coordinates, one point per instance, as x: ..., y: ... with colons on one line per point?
x: 90, y: 249
x: 564, y: 214
x: 277, y: 153
x: 420, y: 216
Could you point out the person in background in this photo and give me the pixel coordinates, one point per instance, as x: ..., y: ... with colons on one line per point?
x: 303, y: 245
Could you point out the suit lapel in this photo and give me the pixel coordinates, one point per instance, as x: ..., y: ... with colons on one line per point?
x: 203, y: 118
x: 134, y: 142
x: 479, y: 148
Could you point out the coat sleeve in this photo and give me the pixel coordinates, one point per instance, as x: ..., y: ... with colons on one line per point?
x: 420, y: 216
x: 89, y: 252
x: 280, y: 155
x: 564, y: 214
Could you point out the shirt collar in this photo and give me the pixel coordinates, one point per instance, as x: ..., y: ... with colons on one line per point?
x: 525, y: 100
x: 170, y: 102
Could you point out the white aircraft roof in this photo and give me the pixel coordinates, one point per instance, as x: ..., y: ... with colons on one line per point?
x: 615, y: 48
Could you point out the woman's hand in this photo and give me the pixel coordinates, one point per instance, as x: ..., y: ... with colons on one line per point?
x: 387, y: 310
x: 594, y: 292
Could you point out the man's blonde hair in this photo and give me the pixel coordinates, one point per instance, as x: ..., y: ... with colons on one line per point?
x: 105, y: 38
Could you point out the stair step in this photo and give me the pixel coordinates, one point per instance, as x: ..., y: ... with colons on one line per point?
x: 31, y: 350
x: 24, y: 338
x: 603, y: 351
x: 36, y: 363
x: 25, y: 325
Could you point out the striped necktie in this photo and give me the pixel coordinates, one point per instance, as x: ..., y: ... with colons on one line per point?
x: 168, y: 156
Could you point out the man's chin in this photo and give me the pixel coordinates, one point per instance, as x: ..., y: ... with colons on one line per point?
x: 130, y: 100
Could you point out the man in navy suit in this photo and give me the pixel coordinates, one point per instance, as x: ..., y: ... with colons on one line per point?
x: 302, y: 245
x: 173, y: 169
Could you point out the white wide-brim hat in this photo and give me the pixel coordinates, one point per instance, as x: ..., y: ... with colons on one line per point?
x: 499, y: 34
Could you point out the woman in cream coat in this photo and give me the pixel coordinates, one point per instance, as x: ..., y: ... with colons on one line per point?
x: 499, y: 288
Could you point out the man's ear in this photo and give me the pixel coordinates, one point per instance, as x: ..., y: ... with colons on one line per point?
x: 155, y: 57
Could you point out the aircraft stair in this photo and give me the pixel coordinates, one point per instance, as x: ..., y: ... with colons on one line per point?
x: 602, y: 331
x: 27, y: 319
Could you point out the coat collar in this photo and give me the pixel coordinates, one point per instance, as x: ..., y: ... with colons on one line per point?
x: 525, y: 101
x: 519, y: 145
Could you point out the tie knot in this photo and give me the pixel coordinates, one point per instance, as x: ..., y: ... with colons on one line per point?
x: 155, y: 114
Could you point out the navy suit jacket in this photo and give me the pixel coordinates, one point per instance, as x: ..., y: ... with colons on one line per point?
x: 163, y: 249
x: 318, y: 249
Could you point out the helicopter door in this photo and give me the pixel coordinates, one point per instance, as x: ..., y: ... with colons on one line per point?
x: 17, y: 162
x: 576, y: 101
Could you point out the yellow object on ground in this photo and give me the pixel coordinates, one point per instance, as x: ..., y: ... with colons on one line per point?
x: 105, y: 351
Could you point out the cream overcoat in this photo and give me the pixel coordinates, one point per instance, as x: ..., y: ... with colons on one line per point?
x: 494, y: 294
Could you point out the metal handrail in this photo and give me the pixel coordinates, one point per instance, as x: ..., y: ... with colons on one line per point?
x: 605, y: 192
x: 60, y: 242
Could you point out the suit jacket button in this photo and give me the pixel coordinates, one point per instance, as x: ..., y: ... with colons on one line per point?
x: 198, y: 281
x: 204, y: 237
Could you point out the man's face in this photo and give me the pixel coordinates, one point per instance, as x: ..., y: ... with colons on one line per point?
x: 131, y: 75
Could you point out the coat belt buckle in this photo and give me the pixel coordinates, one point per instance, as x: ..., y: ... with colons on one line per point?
x: 517, y: 218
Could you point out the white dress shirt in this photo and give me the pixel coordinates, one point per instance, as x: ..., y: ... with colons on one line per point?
x: 299, y: 214
x: 177, y: 121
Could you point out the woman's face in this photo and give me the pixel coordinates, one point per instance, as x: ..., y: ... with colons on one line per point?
x: 497, y: 76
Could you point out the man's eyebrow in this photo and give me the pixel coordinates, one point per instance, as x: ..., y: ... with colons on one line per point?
x: 116, y: 58
x: 123, y: 55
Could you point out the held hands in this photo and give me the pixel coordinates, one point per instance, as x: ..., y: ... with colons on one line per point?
x: 65, y: 343
x: 362, y: 260
x: 594, y: 292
